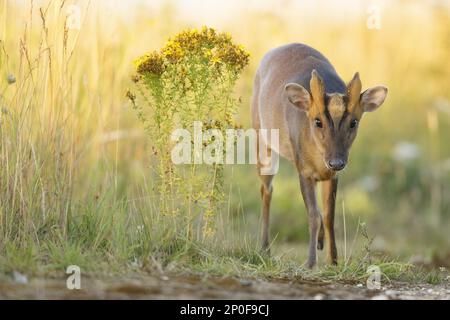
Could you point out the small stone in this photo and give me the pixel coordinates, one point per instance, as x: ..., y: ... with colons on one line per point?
x: 245, y: 283
x: 391, y: 293
x: 20, y: 278
x: 165, y: 278
x: 11, y: 79
x: 136, y: 263
x: 360, y: 285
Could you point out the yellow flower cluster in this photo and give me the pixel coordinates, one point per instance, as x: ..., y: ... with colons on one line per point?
x: 152, y: 63
x: 215, y: 48
x: 235, y: 56
x: 173, y: 52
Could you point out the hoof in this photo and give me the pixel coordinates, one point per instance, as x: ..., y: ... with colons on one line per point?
x: 333, y: 263
x: 310, y: 265
x: 265, y: 251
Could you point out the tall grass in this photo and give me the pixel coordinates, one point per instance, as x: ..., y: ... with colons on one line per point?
x: 38, y: 132
x: 59, y: 192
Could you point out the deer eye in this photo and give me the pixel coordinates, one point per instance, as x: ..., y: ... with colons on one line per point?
x: 318, y: 123
x: 353, y: 124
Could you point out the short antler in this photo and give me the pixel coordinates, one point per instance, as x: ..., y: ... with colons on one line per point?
x: 317, y: 89
x: 354, y: 91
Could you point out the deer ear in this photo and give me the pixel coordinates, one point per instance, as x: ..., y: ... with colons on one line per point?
x: 298, y: 96
x: 373, y: 98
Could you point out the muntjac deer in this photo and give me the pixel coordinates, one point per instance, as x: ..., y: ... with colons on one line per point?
x: 298, y: 92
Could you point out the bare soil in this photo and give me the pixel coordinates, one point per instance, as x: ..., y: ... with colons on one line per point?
x: 209, y: 288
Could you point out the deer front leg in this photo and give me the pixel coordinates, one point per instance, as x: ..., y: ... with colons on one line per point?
x: 307, y: 186
x: 329, y: 190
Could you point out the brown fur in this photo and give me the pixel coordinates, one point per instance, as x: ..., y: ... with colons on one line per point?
x: 297, y: 90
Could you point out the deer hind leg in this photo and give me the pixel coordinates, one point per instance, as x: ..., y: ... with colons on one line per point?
x: 321, y: 241
x: 266, y: 196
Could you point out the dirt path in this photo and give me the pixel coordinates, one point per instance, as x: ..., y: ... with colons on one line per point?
x: 190, y: 287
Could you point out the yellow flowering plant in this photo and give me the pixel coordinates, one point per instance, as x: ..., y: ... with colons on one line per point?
x: 191, y: 79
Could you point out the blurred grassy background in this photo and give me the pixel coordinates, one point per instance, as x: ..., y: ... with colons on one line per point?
x: 71, y: 145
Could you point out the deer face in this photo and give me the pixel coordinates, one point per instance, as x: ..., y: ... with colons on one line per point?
x: 334, y: 118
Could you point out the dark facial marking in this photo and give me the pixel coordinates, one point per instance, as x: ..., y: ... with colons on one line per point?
x: 344, y: 117
x: 329, y: 118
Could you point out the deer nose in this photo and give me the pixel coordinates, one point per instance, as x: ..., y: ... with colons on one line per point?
x: 337, y: 164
